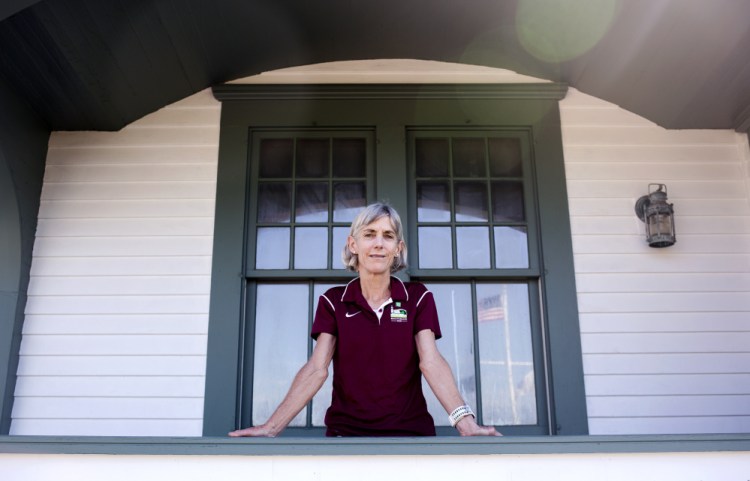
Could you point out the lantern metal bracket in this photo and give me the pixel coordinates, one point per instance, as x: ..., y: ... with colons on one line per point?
x: 644, y: 201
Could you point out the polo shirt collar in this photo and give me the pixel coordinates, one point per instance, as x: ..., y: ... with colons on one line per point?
x: 353, y: 290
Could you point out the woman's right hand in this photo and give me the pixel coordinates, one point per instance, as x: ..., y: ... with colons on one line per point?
x: 261, y: 431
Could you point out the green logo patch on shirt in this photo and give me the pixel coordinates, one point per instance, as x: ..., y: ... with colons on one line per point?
x: 398, y: 314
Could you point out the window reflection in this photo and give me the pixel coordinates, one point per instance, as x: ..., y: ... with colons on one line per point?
x: 272, y: 248
x: 311, y: 248
x: 473, y: 247
x: 276, y: 157
x: 312, y: 202
x: 349, y: 158
x: 275, y: 202
x: 322, y: 399
x: 469, y: 157
x: 281, y: 320
x: 432, y: 157
x: 433, y: 202
x: 435, y: 247
x: 505, y: 157
x: 505, y: 354
x: 471, y: 202
x: 312, y: 158
x: 348, y: 199
x: 340, y: 234
x: 511, y: 248
x: 457, y: 344
x: 507, y: 201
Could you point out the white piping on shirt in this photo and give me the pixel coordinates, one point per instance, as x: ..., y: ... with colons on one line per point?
x: 420, y: 299
x: 347, y: 287
x: 329, y: 302
x: 404, y: 286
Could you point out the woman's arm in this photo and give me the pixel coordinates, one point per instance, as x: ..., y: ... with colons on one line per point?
x: 438, y: 374
x: 306, y: 383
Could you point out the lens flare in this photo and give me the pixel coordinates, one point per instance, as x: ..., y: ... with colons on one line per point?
x: 558, y: 30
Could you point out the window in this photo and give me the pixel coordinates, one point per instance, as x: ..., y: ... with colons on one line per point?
x: 306, y: 188
x: 476, y: 202
x: 473, y: 192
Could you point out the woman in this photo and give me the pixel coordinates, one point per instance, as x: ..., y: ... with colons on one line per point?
x: 380, y: 334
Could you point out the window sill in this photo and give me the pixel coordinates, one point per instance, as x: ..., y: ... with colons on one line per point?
x: 291, y: 446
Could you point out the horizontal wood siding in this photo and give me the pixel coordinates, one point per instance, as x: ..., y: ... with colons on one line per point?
x: 665, y: 332
x: 114, y: 339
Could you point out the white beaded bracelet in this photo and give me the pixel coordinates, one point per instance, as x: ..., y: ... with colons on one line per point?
x: 459, y: 413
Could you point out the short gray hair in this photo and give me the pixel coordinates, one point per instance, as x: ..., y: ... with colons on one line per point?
x: 367, y: 216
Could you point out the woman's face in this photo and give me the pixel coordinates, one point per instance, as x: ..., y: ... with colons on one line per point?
x: 376, y: 246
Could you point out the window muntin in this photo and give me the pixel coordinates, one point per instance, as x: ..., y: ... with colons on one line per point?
x: 309, y: 185
x: 472, y: 192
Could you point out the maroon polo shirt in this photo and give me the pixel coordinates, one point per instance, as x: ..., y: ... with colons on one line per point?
x: 377, y: 384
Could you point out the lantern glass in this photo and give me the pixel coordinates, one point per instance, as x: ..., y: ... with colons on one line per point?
x: 658, y: 215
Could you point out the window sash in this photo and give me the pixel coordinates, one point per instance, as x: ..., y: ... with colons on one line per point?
x: 281, y: 257
x: 452, y: 225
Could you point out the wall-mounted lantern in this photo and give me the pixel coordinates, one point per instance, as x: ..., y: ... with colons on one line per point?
x: 658, y: 216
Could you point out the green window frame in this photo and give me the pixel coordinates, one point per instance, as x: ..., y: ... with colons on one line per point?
x: 392, y: 113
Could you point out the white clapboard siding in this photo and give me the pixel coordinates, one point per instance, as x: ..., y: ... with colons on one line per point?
x: 88, y: 425
x: 609, y: 364
x: 665, y: 332
x: 114, y: 338
x: 112, y: 365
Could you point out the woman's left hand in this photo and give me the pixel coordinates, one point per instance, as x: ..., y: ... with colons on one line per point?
x: 467, y: 426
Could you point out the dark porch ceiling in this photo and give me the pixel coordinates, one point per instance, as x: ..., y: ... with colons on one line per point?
x: 100, y: 64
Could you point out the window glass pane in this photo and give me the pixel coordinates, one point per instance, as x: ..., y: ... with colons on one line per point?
x: 340, y: 234
x: 348, y: 199
x: 507, y: 201
x: 349, y: 158
x: 322, y: 399
x: 469, y: 158
x: 311, y: 248
x: 505, y: 355
x: 433, y: 202
x: 432, y: 157
x: 435, y: 247
x: 473, y: 247
x: 457, y: 344
x: 281, y: 315
x: 312, y: 202
x: 471, y: 202
x: 276, y: 158
x: 275, y: 202
x: 312, y: 157
x: 505, y: 157
x: 272, y: 248
x: 511, y: 248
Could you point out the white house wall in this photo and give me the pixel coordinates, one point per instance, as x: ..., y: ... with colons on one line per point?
x: 665, y: 332
x: 114, y: 340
